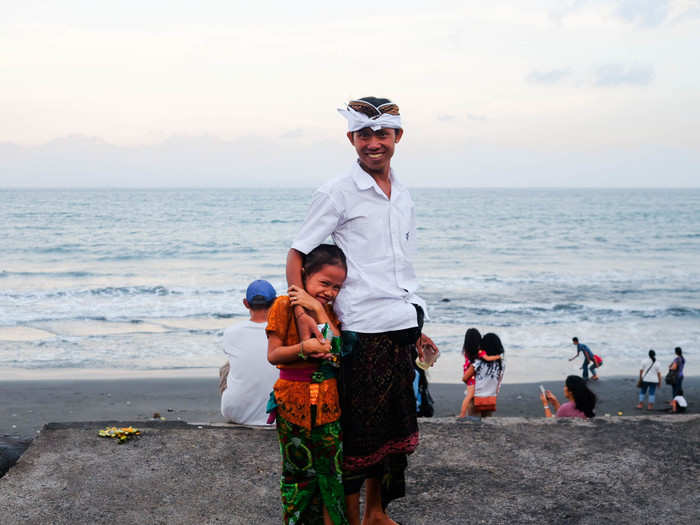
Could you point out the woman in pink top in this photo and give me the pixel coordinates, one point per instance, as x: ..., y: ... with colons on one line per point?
x: 581, y: 399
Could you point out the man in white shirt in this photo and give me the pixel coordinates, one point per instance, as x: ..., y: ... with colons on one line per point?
x: 250, y: 376
x: 370, y: 216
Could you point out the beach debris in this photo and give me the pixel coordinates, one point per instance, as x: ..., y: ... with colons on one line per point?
x: 120, y: 434
x: 162, y: 418
x: 619, y: 413
x: 171, y: 410
x: 156, y: 415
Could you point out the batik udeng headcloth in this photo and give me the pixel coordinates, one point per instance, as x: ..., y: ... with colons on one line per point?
x: 364, y: 113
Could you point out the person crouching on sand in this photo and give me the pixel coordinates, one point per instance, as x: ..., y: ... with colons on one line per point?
x: 306, y: 394
x: 581, y: 400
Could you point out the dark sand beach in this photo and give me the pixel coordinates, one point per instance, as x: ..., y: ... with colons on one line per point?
x: 28, y: 405
x: 517, y: 467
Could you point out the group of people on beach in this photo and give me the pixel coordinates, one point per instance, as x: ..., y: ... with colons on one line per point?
x: 650, y: 380
x: 346, y: 336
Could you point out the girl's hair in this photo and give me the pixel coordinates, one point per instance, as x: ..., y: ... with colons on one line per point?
x: 322, y: 255
x: 583, y: 397
x: 679, y: 353
x: 652, y: 356
x: 472, y: 340
x: 491, y: 344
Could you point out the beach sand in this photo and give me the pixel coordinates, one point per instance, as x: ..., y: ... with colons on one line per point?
x: 28, y: 405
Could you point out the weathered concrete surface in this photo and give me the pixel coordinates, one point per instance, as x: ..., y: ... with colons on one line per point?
x: 507, y: 470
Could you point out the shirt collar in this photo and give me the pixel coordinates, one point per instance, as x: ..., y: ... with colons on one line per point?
x: 365, y: 181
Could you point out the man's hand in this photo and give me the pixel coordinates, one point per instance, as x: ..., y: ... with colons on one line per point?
x: 424, y: 340
x: 299, y: 297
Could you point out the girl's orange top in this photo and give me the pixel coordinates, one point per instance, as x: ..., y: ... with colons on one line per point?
x: 294, y: 398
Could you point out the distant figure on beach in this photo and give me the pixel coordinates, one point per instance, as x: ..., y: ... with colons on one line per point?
x: 305, y: 398
x: 649, y: 379
x: 488, y: 374
x: 678, y: 365
x: 679, y: 403
x: 588, y: 359
x: 581, y: 400
x: 370, y: 215
x: 470, y: 350
x: 247, y: 377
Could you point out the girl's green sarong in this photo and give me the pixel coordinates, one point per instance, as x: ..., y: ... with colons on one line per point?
x: 311, y: 473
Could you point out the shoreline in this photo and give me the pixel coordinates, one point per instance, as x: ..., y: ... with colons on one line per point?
x: 29, y: 404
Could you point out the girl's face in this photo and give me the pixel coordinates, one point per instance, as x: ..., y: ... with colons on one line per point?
x: 325, y: 284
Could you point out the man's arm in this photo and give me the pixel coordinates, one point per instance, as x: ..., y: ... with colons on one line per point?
x: 306, y: 326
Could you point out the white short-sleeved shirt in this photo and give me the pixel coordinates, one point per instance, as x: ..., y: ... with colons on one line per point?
x: 251, y: 377
x: 652, y: 376
x: 378, y: 236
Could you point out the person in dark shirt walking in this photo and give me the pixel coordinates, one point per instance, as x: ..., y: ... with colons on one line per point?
x: 587, y: 359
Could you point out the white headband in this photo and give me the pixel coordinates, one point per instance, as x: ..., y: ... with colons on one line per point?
x: 358, y: 121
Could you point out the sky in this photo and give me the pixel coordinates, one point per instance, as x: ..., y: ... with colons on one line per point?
x: 573, y: 93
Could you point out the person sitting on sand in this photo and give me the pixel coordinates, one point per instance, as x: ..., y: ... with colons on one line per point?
x: 588, y: 359
x: 581, y: 399
x: 305, y: 398
x: 649, y: 379
x: 488, y: 374
x: 247, y: 377
x: 679, y: 403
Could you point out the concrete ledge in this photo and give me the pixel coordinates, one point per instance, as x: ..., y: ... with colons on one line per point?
x: 505, y: 470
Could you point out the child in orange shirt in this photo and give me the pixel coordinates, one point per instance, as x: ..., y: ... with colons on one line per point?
x: 306, y: 394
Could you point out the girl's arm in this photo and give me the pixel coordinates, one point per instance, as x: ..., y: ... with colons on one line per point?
x: 483, y: 355
x: 278, y: 354
x: 469, y: 373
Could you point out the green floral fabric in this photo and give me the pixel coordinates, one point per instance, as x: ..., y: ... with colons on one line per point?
x: 311, y: 473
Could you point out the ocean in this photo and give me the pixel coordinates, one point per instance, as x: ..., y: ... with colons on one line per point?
x: 125, y: 281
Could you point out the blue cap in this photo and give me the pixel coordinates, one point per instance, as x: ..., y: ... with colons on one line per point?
x: 260, y: 293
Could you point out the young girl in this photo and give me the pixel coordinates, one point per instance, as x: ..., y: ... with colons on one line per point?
x: 306, y: 395
x: 473, y: 349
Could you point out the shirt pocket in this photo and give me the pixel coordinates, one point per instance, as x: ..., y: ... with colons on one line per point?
x: 365, y: 232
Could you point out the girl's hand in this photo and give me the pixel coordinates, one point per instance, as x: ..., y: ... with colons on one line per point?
x: 315, y: 348
x: 548, y: 394
x: 299, y: 297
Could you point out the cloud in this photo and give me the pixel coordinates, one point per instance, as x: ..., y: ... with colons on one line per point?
x: 611, y: 75
x: 553, y: 76
x: 480, y: 118
x: 443, y: 117
x: 645, y: 13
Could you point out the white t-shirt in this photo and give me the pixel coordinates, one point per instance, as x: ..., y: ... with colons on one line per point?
x: 251, y: 376
x: 378, y: 236
x: 681, y: 401
x: 652, y: 376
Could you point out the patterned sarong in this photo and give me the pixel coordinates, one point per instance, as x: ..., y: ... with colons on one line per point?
x: 378, y: 409
x: 311, y: 473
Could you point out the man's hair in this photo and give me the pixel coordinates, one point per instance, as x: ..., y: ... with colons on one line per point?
x: 574, y: 339
x: 258, y: 304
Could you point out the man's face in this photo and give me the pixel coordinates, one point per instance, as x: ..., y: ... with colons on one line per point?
x: 375, y: 148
